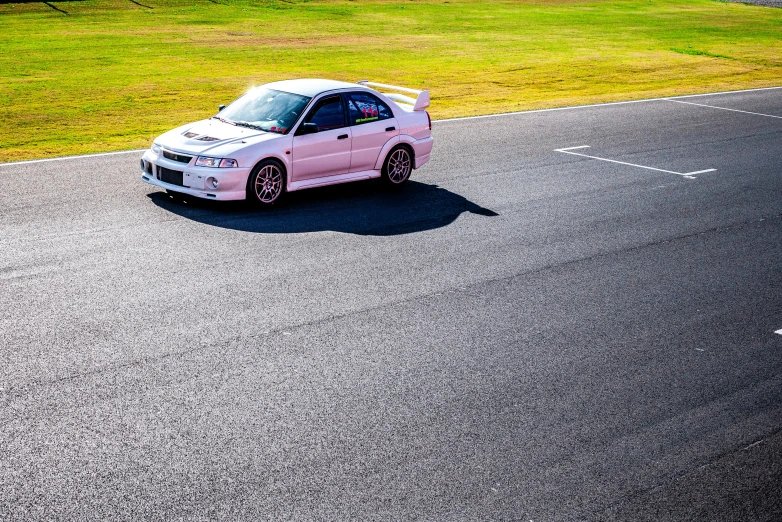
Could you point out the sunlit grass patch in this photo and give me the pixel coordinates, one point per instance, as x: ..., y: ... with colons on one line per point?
x: 112, y: 74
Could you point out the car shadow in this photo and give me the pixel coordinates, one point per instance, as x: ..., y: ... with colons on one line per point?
x: 362, y: 208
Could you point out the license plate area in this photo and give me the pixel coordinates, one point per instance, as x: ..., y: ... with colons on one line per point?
x: 193, y: 180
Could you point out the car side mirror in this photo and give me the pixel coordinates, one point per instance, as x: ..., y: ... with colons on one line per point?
x: 307, y: 128
x: 220, y: 108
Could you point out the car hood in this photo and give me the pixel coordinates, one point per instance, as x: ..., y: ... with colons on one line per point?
x: 204, y: 137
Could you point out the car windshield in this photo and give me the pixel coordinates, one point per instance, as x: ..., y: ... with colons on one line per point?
x: 265, y: 109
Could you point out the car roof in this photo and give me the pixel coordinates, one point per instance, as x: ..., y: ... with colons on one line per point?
x: 310, y: 86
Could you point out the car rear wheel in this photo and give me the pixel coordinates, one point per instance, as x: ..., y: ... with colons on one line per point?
x: 266, y: 183
x: 398, y: 166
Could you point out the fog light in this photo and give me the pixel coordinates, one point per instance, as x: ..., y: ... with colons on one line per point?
x: 212, y: 182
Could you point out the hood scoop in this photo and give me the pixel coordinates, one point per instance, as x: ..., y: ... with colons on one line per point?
x: 200, y: 137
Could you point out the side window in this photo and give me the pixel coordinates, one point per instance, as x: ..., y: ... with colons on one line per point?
x: 327, y: 114
x: 364, y: 108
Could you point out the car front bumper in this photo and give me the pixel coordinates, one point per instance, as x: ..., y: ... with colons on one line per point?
x: 195, y: 181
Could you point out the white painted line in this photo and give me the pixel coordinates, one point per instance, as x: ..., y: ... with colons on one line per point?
x: 554, y: 109
x: 726, y: 109
x: 778, y: 332
x: 573, y: 148
x: 727, y: 92
x: 699, y: 172
x: 645, y: 100
x: 27, y: 162
x: 761, y: 441
x: 688, y: 175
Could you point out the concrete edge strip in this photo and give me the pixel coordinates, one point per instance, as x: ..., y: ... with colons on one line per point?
x: 666, y: 98
x: 27, y: 162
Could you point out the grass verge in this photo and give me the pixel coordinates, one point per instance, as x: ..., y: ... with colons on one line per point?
x: 100, y: 75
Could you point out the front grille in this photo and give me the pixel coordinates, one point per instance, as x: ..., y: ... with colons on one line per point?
x: 173, y: 177
x: 177, y: 157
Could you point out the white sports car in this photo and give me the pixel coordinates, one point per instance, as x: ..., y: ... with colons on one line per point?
x: 292, y: 135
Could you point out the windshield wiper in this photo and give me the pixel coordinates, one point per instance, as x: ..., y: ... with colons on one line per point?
x: 223, y: 120
x: 249, y: 125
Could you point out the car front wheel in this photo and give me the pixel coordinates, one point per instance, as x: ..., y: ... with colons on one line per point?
x: 398, y: 166
x: 266, y: 183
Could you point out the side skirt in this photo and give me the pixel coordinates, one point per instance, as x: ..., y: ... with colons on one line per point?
x: 332, y: 180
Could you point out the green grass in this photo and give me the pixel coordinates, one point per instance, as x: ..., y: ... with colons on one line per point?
x: 113, y: 74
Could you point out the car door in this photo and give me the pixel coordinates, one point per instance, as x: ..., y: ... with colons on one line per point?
x: 372, y: 124
x: 327, y: 151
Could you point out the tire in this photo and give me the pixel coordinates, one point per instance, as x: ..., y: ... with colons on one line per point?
x: 398, y: 166
x: 266, y: 183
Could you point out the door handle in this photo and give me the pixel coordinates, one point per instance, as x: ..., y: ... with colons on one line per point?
x: 342, y: 136
x: 389, y: 129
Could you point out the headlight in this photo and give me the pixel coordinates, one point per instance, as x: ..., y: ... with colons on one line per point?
x: 203, y: 161
x: 155, y: 148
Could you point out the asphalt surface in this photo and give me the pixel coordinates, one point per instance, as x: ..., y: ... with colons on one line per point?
x: 765, y: 3
x: 519, y: 334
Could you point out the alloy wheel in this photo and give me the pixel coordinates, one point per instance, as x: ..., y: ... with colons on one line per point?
x: 268, y: 184
x: 399, y: 166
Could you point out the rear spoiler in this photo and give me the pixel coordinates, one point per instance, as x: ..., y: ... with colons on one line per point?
x: 420, y: 102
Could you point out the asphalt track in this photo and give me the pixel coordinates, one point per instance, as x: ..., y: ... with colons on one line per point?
x: 519, y: 334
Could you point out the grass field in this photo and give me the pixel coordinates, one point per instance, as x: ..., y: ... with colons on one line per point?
x: 113, y: 74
